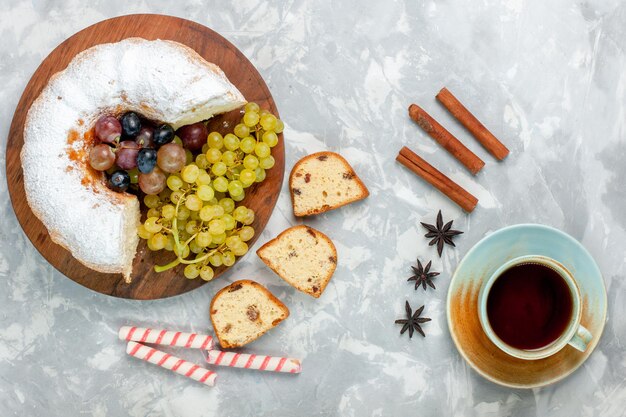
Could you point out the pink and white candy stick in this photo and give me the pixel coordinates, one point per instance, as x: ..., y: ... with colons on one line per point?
x: 165, y: 337
x: 251, y: 361
x: 167, y: 361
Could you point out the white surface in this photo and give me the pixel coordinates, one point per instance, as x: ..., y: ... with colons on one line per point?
x: 548, y: 78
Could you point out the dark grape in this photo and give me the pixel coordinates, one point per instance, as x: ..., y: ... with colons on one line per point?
x: 119, y: 181
x: 127, y: 154
x: 145, y: 137
x: 146, y: 160
x: 152, y: 183
x: 131, y: 125
x: 193, y: 136
x: 171, y: 157
x: 108, y: 129
x: 101, y: 157
x: 163, y: 134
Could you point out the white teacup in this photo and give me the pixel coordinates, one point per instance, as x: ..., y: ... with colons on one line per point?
x: 574, y: 334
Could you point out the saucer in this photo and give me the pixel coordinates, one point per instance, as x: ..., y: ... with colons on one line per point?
x: 480, y: 263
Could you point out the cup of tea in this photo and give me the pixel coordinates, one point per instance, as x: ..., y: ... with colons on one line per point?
x: 531, y: 308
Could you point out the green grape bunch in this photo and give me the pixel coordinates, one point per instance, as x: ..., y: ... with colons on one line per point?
x: 197, y: 216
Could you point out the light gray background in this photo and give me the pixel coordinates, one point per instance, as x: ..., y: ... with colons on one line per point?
x: 548, y: 77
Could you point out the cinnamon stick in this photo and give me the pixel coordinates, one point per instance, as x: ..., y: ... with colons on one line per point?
x: 472, y: 162
x: 471, y: 123
x: 438, y: 180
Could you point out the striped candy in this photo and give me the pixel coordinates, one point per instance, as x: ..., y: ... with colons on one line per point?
x: 251, y: 361
x: 166, y: 337
x: 167, y: 361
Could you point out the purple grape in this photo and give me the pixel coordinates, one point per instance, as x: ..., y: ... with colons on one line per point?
x: 101, y: 157
x: 146, y: 160
x: 163, y: 134
x: 131, y: 125
x: 171, y: 157
x: 108, y: 129
x: 119, y: 181
x: 193, y: 136
x: 152, y: 183
x: 127, y: 154
x: 145, y: 137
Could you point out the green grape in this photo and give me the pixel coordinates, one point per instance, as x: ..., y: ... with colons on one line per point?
x: 246, y: 233
x: 240, y: 213
x: 134, y: 175
x: 188, y: 156
x: 241, y: 130
x: 235, y: 188
x: 143, y: 233
x: 217, y: 226
x: 190, y: 173
x: 228, y: 258
x: 194, y: 215
x: 205, y: 192
x: 154, y: 212
x: 193, y: 202
x: 204, y: 178
x: 181, y: 225
x: 151, y: 200
x: 206, y: 273
x: 250, y: 119
x: 261, y: 149
x: 191, y: 227
x: 260, y: 174
x: 252, y: 107
x: 218, y: 210
x: 263, y: 112
x: 227, y: 204
x: 215, y: 260
x: 194, y: 247
x: 169, y: 246
x: 219, y: 169
x: 174, y: 182
x: 220, y: 184
x: 185, y: 252
x: 218, y: 239
x: 247, y: 177
x: 249, y: 218
x: 178, y: 140
x: 247, y: 144
x: 233, y: 241
x: 151, y: 224
x: 241, y: 249
x: 176, y: 196
x: 270, y: 138
x: 268, y: 122
x: 231, y: 142
x: 206, y: 213
x: 229, y: 221
x: 267, y: 162
x: 250, y: 162
x: 239, y: 197
x: 168, y: 211
x: 213, y: 155
x: 202, y: 161
x: 215, y: 140
x: 191, y: 271
x: 203, y: 239
x: 229, y: 158
x: 280, y: 126
x: 183, y: 213
x: 149, y: 244
x: 204, y: 148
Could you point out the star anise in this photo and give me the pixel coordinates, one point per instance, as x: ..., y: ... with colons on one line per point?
x: 412, y: 321
x: 441, y: 233
x: 421, y: 275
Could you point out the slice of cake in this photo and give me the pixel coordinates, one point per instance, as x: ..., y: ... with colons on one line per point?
x: 304, y: 257
x: 243, y: 312
x: 323, y: 181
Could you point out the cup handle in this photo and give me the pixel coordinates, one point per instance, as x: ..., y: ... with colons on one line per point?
x: 581, y: 339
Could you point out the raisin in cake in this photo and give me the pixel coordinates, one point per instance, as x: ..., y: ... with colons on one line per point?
x: 323, y: 181
x: 304, y: 257
x: 243, y: 312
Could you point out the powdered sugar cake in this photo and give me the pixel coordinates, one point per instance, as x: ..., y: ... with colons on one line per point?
x: 97, y: 225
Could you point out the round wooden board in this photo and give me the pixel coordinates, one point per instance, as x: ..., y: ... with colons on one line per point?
x: 261, y: 197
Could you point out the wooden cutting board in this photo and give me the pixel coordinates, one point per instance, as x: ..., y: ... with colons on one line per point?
x: 261, y: 197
